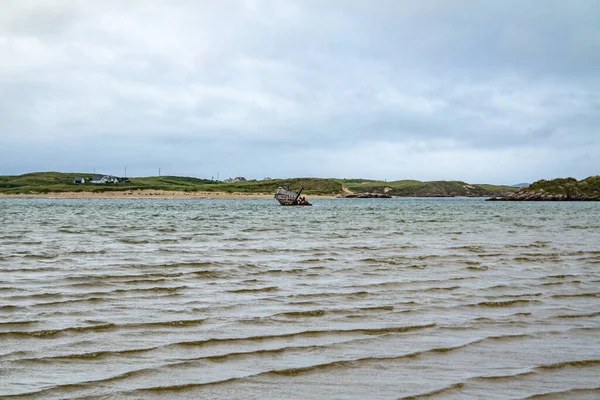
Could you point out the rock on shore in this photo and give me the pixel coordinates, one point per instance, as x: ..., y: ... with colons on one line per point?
x: 365, y: 196
x: 528, y: 195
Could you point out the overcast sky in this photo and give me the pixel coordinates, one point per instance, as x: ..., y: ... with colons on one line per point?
x: 485, y: 91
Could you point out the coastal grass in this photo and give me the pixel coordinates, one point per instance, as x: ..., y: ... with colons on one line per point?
x: 47, y: 182
x: 416, y: 188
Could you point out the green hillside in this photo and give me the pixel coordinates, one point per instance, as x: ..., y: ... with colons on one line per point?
x: 406, y: 188
x: 46, y: 182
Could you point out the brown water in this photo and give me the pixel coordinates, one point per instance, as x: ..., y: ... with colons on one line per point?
x: 349, y: 299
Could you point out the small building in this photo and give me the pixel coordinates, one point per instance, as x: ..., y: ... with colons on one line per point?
x: 103, y: 179
x: 236, y: 179
x: 79, y: 180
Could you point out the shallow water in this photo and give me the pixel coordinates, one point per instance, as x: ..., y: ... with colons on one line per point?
x: 349, y: 299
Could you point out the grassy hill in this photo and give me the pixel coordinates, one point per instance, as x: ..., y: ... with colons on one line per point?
x: 46, y: 182
x: 412, y: 188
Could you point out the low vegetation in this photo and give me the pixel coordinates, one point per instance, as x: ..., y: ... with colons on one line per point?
x: 46, y: 182
x: 412, y: 188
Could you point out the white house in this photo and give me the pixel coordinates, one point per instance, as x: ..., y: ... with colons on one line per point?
x: 104, y: 179
x: 236, y: 179
x: 79, y: 180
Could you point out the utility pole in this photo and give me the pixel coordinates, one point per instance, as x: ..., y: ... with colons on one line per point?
x: 125, y: 171
x: 159, y: 172
x: 217, y: 175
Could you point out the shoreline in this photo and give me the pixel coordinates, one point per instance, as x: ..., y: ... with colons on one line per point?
x: 145, y: 194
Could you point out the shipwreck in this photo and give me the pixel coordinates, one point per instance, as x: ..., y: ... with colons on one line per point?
x: 288, y: 197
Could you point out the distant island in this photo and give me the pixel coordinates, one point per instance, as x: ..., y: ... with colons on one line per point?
x: 46, y: 183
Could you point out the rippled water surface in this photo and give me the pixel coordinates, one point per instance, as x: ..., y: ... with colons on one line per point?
x: 349, y: 299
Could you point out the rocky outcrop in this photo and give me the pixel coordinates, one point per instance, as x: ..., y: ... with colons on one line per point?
x: 529, y: 195
x: 437, y: 195
x: 364, y: 196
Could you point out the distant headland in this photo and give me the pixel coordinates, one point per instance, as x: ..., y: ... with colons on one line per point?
x: 63, y: 184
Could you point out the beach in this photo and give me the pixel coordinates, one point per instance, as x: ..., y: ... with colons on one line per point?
x: 142, y: 194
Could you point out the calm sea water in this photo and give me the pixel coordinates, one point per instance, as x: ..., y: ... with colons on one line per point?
x: 349, y: 299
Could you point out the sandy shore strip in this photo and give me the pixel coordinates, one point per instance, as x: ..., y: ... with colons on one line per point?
x: 144, y: 194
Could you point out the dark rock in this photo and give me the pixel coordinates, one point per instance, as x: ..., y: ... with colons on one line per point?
x: 365, y: 196
x: 528, y: 195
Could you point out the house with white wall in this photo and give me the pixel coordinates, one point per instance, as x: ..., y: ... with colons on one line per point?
x: 101, y: 179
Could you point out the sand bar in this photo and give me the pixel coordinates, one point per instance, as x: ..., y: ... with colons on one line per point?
x: 144, y: 194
